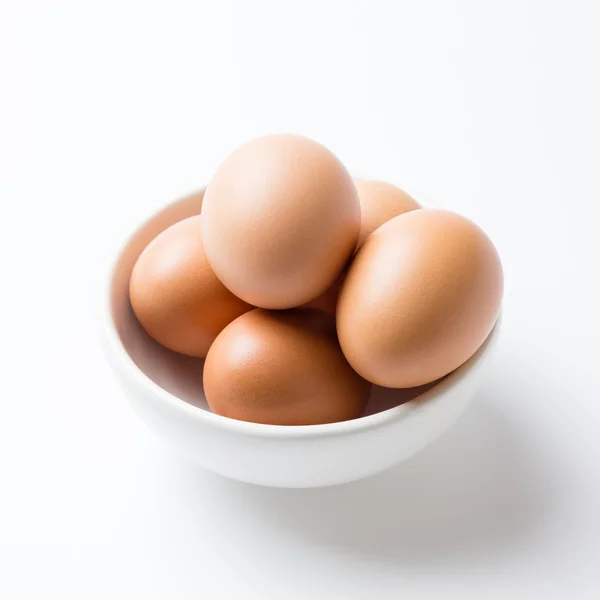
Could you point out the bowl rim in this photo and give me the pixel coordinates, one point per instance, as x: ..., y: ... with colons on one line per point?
x: 113, y: 344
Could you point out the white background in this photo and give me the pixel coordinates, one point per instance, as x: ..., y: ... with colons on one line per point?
x: 110, y: 109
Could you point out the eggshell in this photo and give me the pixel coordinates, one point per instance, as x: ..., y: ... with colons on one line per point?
x: 328, y: 301
x: 281, y: 218
x: 175, y: 294
x: 421, y: 296
x: 282, y: 368
x: 380, y: 202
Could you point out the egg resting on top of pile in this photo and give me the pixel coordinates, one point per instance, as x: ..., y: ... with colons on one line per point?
x: 280, y: 220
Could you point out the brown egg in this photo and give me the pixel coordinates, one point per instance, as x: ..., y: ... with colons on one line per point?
x: 380, y: 202
x: 282, y: 368
x: 328, y: 301
x: 281, y: 218
x: 421, y: 296
x: 175, y: 294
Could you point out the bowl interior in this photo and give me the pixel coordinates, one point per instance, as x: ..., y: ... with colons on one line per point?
x: 180, y: 375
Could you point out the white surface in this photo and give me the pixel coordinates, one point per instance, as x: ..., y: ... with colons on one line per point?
x: 107, y: 109
x: 157, y: 381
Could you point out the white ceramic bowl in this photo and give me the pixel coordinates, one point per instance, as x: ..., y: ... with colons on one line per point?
x: 165, y: 390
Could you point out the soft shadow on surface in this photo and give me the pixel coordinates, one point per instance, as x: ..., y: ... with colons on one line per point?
x: 475, y: 494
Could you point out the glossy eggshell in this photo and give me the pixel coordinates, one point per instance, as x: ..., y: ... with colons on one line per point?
x: 420, y: 298
x: 380, y: 202
x: 281, y: 218
x: 175, y: 294
x: 282, y: 368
